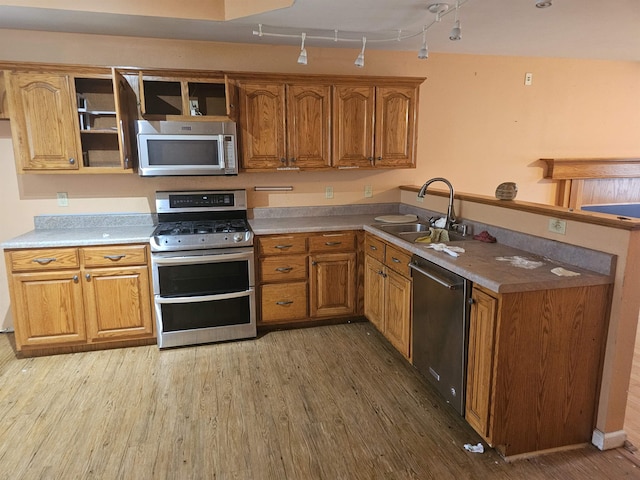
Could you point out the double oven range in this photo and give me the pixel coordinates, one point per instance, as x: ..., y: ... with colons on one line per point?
x: 203, y: 268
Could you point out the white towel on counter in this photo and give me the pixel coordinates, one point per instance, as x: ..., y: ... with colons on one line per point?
x: 443, y: 247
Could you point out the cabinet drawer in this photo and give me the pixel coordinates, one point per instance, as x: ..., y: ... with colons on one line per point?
x: 283, y: 268
x: 398, y: 260
x: 374, y: 247
x: 114, y: 255
x: 44, y: 259
x: 283, y: 301
x: 282, y: 245
x: 332, y: 242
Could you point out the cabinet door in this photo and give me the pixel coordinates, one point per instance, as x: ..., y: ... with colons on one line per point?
x: 118, y: 303
x: 125, y: 113
x: 332, y: 278
x: 262, y: 126
x: 482, y: 326
x: 353, y: 119
x: 48, y: 308
x: 374, y: 300
x: 398, y: 311
x: 395, y: 126
x: 43, y: 123
x: 308, y: 123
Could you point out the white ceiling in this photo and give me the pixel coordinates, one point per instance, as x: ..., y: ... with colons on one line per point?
x: 593, y: 29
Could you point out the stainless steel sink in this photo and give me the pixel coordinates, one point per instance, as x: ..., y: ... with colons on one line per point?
x: 404, y: 228
x: 410, y: 232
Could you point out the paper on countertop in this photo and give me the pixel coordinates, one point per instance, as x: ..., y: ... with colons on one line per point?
x: 443, y: 247
x: 521, y: 262
x: 441, y: 222
x: 563, y: 272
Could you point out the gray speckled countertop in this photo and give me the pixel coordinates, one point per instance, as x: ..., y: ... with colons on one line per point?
x: 79, y: 237
x: 480, y: 265
x: 83, y: 230
x: 477, y: 264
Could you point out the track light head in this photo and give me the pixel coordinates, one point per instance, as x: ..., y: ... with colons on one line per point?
x: 456, y: 32
x: 360, y: 60
x: 423, y: 53
x: 302, y: 58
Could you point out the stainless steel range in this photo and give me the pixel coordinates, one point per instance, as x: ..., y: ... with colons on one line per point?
x: 203, y: 268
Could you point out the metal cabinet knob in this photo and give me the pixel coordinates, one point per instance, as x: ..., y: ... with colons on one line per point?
x: 75, y: 278
x: 72, y: 161
x: 87, y: 276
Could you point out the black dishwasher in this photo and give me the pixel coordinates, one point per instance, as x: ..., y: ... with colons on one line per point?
x: 441, y: 328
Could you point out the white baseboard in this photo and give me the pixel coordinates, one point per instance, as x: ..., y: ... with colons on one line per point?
x: 609, y: 440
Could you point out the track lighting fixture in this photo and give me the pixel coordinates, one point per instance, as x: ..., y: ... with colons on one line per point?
x: 543, y: 3
x: 438, y: 10
x: 302, y: 58
x: 423, y: 53
x: 360, y: 60
x: 456, y: 33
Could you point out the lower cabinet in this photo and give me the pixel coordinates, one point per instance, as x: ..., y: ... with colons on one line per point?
x: 387, y: 292
x: 78, y: 296
x: 307, y: 277
x: 534, y: 366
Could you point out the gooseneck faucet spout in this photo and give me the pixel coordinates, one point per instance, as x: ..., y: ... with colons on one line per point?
x: 451, y: 215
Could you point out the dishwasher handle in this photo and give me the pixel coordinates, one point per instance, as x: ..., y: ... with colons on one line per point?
x: 435, y: 277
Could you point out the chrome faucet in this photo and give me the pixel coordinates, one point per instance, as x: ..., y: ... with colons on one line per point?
x: 451, y: 214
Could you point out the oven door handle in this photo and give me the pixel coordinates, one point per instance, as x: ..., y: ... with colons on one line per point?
x: 203, y: 298
x: 189, y: 260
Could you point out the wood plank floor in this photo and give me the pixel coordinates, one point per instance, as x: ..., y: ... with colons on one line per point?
x: 333, y: 402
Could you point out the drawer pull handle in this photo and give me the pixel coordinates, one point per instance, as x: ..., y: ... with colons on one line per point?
x: 114, y: 257
x: 395, y: 260
x: 373, y: 247
x: 332, y: 244
x: 282, y: 247
x: 380, y: 272
x: 284, y: 302
x: 284, y: 269
x: 44, y: 261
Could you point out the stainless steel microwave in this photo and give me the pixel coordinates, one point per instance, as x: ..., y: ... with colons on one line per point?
x: 186, y: 148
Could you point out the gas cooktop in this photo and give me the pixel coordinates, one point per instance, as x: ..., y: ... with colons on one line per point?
x: 190, y: 220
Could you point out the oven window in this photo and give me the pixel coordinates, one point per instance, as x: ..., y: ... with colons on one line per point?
x: 183, y: 152
x: 203, y: 279
x: 216, y: 313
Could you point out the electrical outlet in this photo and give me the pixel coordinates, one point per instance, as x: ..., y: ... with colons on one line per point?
x: 328, y: 192
x: 63, y: 199
x: 557, y: 226
x: 368, y: 191
x: 528, y: 79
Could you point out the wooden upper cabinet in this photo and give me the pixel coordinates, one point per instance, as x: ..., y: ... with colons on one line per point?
x: 42, y: 113
x: 374, y: 126
x: 354, y: 116
x: 395, y: 126
x: 308, y: 126
x: 262, y: 125
x: 285, y: 126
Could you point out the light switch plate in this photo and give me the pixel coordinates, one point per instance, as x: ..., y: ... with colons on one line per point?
x: 368, y: 191
x: 557, y: 226
x: 63, y: 199
x: 328, y: 192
